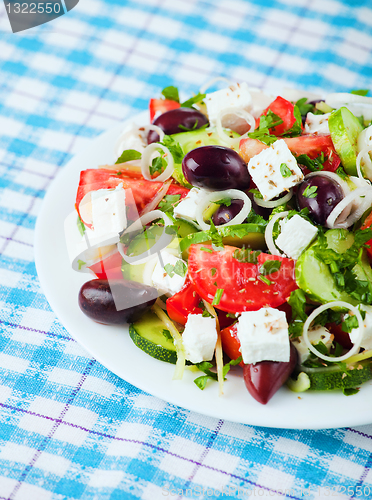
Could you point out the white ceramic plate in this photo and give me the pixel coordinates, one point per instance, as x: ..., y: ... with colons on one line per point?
x: 113, y: 347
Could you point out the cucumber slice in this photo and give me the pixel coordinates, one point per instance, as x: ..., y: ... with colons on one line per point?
x: 148, y: 334
x: 345, y: 128
x: 332, y: 377
x: 301, y: 384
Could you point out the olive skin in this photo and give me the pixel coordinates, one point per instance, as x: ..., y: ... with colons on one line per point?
x: 224, y: 214
x: 177, y: 120
x: 96, y: 300
x: 215, y: 167
x: 265, y: 378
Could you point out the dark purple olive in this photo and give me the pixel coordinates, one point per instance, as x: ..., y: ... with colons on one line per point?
x: 224, y: 214
x: 257, y: 209
x: 115, y: 302
x: 320, y: 195
x: 215, y: 167
x: 176, y: 121
x: 265, y: 378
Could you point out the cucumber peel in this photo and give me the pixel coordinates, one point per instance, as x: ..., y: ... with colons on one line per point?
x: 301, y: 384
x: 345, y: 128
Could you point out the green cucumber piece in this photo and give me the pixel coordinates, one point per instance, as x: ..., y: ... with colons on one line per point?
x: 301, y: 384
x: 147, y: 334
x: 333, y: 377
x: 345, y: 128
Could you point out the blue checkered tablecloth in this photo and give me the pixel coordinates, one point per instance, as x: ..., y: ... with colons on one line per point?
x: 69, y: 428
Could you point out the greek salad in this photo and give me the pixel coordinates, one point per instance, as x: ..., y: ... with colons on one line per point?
x: 235, y: 229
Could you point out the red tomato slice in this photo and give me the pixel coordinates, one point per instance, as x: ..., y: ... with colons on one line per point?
x: 242, y: 289
x: 109, y: 268
x: 93, y: 179
x: 231, y: 343
x: 285, y: 110
x: 310, y: 145
x: 178, y: 189
x: 183, y: 303
x: 160, y: 106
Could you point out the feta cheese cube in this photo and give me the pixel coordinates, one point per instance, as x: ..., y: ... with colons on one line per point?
x: 316, y: 335
x: 367, y: 333
x: 108, y: 211
x: 296, y: 235
x: 317, y: 124
x: 234, y: 96
x: 263, y: 335
x: 161, y: 280
x: 187, y: 207
x: 266, y: 172
x: 199, y: 338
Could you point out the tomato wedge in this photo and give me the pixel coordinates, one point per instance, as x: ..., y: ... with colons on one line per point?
x: 178, y: 189
x: 159, y: 106
x: 144, y: 192
x: 183, y: 303
x: 108, y: 268
x: 243, y: 288
x: 231, y: 343
x: 285, y: 110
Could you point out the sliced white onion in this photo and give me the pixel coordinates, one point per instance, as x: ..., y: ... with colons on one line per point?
x: 164, y: 240
x: 365, y: 200
x: 336, y: 99
x: 138, y: 132
x: 213, y: 196
x: 364, y: 155
x: 269, y: 233
x: 147, y: 157
x: 274, y: 203
x: 211, y: 82
x: 234, y: 141
x: 330, y: 305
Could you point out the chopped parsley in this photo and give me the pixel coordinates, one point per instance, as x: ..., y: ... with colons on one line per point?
x: 362, y: 92
x: 179, y: 268
x: 256, y: 193
x: 158, y: 165
x: 269, y: 267
x: 171, y: 93
x: 267, y: 122
x: 193, y: 100
x: 218, y: 296
x: 80, y: 225
x: 204, y: 249
x: 81, y: 263
x: 174, y: 148
x: 264, y: 280
x: 205, y: 367
x: 128, y: 155
x: 224, y: 201
x: 246, y: 255
x: 213, y: 271
x: 284, y: 170
x: 297, y: 301
x: 349, y: 324
x: 304, y: 107
x: 167, y: 335
x: 206, y: 314
x: 168, y: 203
x: 313, y: 165
x: 310, y: 192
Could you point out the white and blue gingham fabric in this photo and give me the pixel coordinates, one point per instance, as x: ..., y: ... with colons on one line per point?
x: 69, y: 428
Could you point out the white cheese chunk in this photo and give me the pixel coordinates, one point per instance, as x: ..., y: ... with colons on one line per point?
x: 235, y: 96
x: 266, y: 172
x: 317, y: 124
x: 187, y: 207
x: 296, y: 234
x: 162, y: 281
x: 367, y: 333
x: 263, y: 335
x: 108, y: 211
x: 199, y: 338
x: 316, y: 335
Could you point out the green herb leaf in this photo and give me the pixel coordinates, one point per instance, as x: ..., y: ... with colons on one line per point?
x: 350, y: 391
x: 310, y: 192
x: 167, y: 335
x: 204, y: 249
x: 169, y: 269
x: 362, y: 92
x: 304, y: 107
x: 206, y: 314
x: 349, y: 324
x: 269, y: 267
x: 313, y: 165
x: 179, y: 268
x: 218, y: 296
x: 267, y: 122
x: 128, y: 155
x: 224, y: 201
x: 285, y: 171
x: 168, y: 203
x: 171, y: 93
x: 80, y: 225
x: 256, y: 193
x: 193, y: 100
x: 264, y: 280
x: 216, y: 238
x: 213, y: 271
x: 246, y: 255
x: 81, y: 263
x: 158, y: 165
x: 174, y: 148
